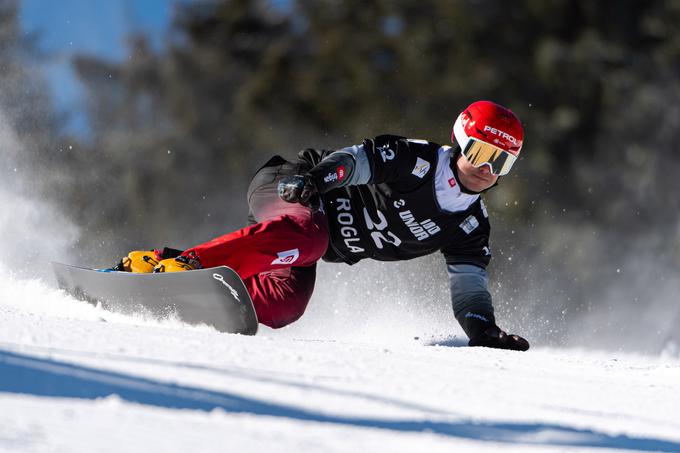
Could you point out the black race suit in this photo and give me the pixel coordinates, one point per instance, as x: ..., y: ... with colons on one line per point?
x: 393, y: 198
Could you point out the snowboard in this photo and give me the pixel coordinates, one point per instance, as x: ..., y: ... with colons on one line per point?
x: 214, y: 296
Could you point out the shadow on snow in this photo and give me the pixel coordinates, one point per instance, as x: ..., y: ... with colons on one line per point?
x: 44, y: 377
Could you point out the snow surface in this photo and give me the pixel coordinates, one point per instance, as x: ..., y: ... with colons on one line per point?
x: 76, y: 378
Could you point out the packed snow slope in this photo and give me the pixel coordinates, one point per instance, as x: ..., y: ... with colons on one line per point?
x: 76, y: 378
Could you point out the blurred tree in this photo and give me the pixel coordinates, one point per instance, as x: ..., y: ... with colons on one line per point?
x: 25, y: 107
x: 168, y: 126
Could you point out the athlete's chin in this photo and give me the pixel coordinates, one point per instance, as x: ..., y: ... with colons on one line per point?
x: 484, y: 182
x: 478, y: 185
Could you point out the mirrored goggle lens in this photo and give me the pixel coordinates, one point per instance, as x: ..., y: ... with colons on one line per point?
x: 479, y: 153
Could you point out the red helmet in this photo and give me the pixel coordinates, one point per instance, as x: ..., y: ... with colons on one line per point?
x: 488, y: 123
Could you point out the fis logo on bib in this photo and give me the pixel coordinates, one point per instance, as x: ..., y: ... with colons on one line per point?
x: 287, y: 257
x: 421, y: 168
x: 469, y: 224
x: 337, y: 175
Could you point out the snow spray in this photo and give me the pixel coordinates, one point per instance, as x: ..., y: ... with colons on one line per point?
x: 32, y: 231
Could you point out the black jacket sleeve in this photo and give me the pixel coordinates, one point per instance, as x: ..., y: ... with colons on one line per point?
x: 383, y: 159
x: 396, y: 159
x: 472, y: 247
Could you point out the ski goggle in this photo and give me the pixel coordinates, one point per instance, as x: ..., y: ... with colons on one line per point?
x: 480, y: 153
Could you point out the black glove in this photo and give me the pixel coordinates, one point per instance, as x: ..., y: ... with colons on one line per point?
x: 480, y: 326
x: 494, y: 337
x: 299, y: 189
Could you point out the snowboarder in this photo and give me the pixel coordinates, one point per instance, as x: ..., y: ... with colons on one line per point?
x: 389, y: 198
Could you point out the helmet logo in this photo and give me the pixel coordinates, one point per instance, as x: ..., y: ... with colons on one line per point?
x: 502, y: 134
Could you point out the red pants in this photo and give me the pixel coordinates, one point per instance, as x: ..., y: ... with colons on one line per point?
x: 276, y: 256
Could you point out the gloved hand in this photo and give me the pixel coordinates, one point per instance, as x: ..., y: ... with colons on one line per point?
x: 178, y: 264
x: 144, y: 261
x: 299, y: 189
x: 480, y: 326
x: 494, y: 337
